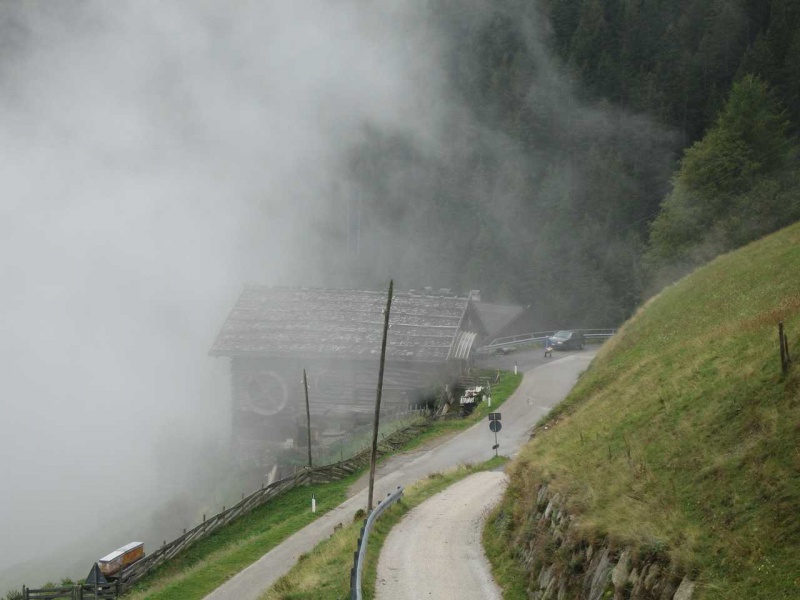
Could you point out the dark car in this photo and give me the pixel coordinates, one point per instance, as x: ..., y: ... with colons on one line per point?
x: 567, y: 340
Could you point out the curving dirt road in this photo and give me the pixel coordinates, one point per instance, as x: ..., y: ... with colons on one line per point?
x: 436, y: 551
x: 543, y: 386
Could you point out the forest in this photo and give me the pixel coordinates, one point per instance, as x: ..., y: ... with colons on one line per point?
x: 598, y: 150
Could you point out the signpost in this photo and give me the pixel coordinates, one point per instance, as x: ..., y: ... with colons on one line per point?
x: 495, y: 425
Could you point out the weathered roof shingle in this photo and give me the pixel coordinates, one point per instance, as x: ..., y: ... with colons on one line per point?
x: 346, y: 323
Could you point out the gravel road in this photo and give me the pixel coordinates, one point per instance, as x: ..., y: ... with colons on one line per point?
x: 436, y: 551
x: 543, y: 386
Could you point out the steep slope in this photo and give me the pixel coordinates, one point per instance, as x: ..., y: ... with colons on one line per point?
x: 683, y: 437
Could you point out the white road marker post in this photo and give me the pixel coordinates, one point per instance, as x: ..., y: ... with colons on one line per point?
x: 313, y: 503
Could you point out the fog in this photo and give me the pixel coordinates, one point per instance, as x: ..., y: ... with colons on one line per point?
x: 157, y: 156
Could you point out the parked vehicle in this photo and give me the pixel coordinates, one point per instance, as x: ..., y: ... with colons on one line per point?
x: 567, y: 340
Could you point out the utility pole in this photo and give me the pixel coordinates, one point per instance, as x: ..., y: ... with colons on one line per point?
x: 308, y: 418
x: 378, y: 398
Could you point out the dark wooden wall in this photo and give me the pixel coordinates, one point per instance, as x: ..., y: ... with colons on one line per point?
x: 269, y: 401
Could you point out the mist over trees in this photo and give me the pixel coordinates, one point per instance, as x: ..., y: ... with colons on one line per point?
x: 677, y: 60
x: 734, y: 185
x: 553, y: 185
x: 533, y: 195
x: 724, y: 76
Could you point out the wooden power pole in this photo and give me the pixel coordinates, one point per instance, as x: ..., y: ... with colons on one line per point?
x: 308, y: 418
x: 378, y: 398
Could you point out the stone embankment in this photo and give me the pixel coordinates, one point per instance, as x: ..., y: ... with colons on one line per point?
x: 564, y: 565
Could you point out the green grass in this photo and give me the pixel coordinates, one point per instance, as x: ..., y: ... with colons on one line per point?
x: 324, y: 573
x: 211, y: 561
x: 684, y: 434
x: 508, y: 573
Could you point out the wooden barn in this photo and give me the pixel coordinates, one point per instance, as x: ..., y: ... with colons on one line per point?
x: 272, y: 334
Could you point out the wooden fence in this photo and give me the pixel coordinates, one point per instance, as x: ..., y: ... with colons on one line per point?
x: 78, y: 591
x: 326, y: 474
x: 135, y: 572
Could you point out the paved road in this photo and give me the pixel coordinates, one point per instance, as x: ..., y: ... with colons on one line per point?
x: 436, y: 550
x: 543, y: 386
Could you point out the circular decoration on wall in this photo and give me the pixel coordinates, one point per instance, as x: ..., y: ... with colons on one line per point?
x: 266, y: 393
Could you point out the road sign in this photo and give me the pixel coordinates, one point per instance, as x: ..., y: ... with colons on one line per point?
x: 495, y: 425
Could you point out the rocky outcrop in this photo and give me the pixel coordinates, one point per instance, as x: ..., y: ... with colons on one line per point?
x: 564, y: 565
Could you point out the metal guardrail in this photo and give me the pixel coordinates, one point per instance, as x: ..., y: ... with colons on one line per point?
x: 358, y: 558
x: 540, y: 336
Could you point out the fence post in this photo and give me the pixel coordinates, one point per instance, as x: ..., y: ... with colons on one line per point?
x: 784, y: 365
x: 354, y: 571
x: 786, y: 345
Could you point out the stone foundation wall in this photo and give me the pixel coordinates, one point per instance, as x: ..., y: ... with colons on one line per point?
x: 563, y: 565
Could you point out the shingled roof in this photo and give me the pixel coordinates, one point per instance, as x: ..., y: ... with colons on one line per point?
x: 343, y: 323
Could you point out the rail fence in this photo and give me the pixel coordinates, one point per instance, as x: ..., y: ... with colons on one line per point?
x: 134, y: 573
x: 325, y: 474
x: 540, y: 336
x: 78, y: 591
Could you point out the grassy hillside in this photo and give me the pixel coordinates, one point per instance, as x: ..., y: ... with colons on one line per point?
x: 683, y: 437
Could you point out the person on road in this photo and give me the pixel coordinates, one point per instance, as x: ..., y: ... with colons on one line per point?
x: 548, y: 348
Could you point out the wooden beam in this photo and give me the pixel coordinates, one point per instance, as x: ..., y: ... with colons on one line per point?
x: 378, y: 398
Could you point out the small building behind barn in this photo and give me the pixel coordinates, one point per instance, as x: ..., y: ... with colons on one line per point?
x: 496, y: 320
x: 273, y: 333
